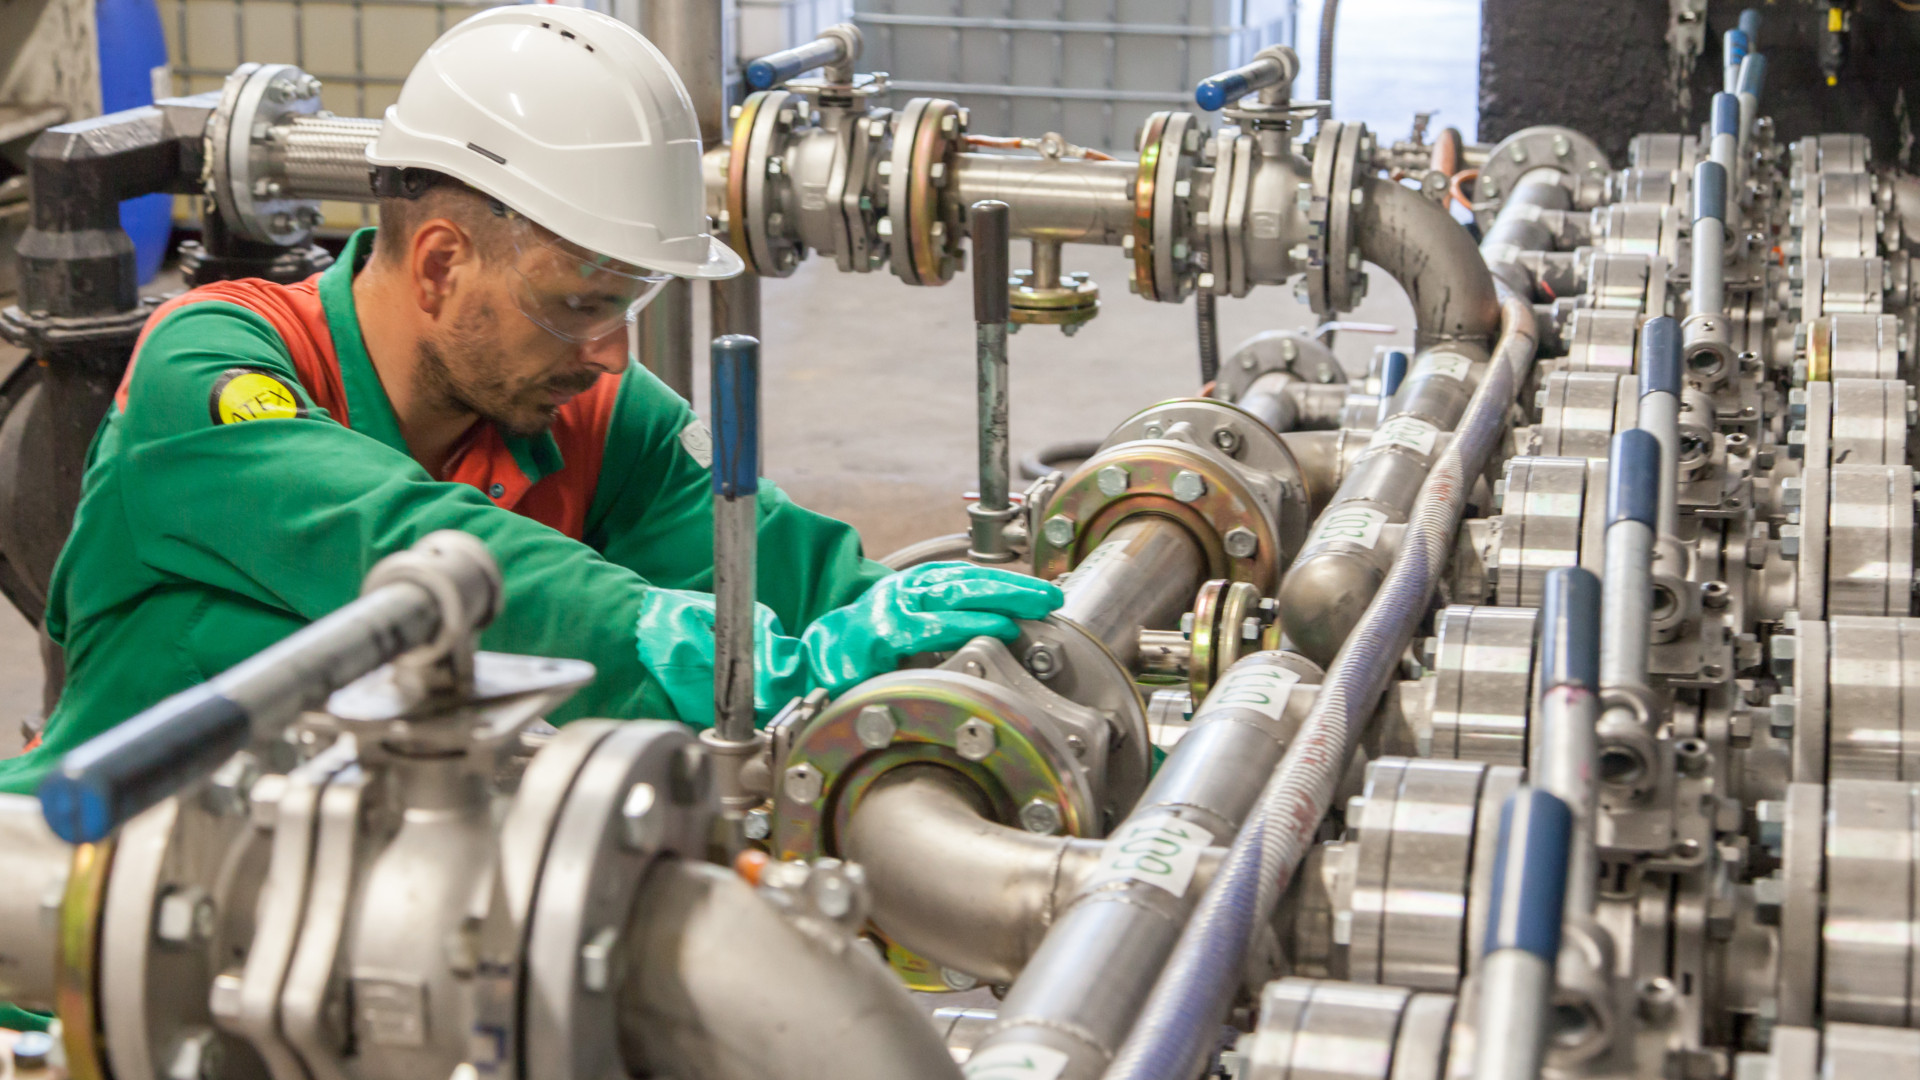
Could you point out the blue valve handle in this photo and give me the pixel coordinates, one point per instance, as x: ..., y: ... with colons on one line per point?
x: 736, y: 415
x: 776, y: 68
x: 1710, y: 191
x: 1570, y: 629
x: 115, y: 775
x: 1750, y: 26
x: 1726, y: 114
x: 1633, y: 480
x: 1660, y: 356
x: 1393, y: 372
x: 1218, y: 91
x: 1735, y: 46
x: 1530, y: 874
x: 1753, y: 73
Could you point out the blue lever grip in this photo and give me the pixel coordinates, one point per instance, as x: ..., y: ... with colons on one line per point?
x: 772, y: 70
x: 115, y: 775
x: 1726, y: 114
x: 1633, y: 478
x: 1570, y: 629
x: 1393, y: 372
x: 1219, y: 91
x: 1660, y: 356
x: 1734, y: 47
x: 1753, y: 73
x: 736, y: 415
x: 1710, y: 191
x: 1750, y: 26
x: 1530, y: 874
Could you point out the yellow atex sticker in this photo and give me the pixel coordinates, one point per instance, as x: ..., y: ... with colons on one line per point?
x: 246, y: 394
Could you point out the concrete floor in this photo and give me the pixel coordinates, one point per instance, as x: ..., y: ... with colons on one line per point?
x: 868, y: 398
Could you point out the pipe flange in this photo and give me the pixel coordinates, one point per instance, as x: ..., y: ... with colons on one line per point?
x: 756, y: 188
x: 1163, y: 266
x: 1160, y: 476
x: 1076, y: 300
x: 1221, y: 614
x: 1290, y: 352
x: 642, y: 792
x: 77, y: 958
x: 924, y: 224
x: 1576, y: 157
x: 1241, y: 436
x: 1345, y: 280
x: 256, y: 98
x: 164, y: 936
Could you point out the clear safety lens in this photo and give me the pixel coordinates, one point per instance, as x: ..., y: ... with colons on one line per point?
x: 575, y: 294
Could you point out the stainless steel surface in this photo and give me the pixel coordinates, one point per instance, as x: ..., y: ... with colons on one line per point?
x: 34, y: 864
x: 736, y: 525
x: 1068, y: 200
x: 1141, y: 577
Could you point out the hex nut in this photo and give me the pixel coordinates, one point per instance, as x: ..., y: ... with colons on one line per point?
x: 1227, y: 439
x: 1113, y: 480
x: 184, y: 915
x: 1771, y: 814
x: 1040, y: 816
x: 1188, y: 485
x: 803, y: 783
x: 974, y: 740
x: 1780, y: 716
x: 1058, y: 530
x: 758, y: 824
x: 597, y: 959
x: 1042, y: 660
x: 957, y: 980
x: 1240, y: 541
x: 875, y: 727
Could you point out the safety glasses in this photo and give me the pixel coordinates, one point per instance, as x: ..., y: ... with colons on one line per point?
x: 572, y: 293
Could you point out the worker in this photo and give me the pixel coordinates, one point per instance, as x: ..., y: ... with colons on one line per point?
x: 465, y: 366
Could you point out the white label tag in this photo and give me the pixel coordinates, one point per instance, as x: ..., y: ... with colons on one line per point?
x: 1448, y: 364
x: 1409, y: 431
x: 1354, y: 525
x: 1020, y: 1061
x: 1161, y: 851
x: 1263, y: 688
x: 697, y: 441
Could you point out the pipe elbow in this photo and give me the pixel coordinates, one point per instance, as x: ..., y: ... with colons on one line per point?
x: 1433, y: 259
x: 1322, y: 599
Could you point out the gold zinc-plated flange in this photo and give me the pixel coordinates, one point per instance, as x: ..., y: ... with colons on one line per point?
x: 1162, y: 194
x: 1219, y: 631
x: 1074, y: 301
x: 1168, y: 479
x: 923, y: 223
x: 1022, y: 767
x: 77, y: 961
x: 760, y: 127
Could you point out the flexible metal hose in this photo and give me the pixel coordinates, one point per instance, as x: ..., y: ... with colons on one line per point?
x: 1323, y: 84
x: 1181, y: 1020
x: 326, y: 156
x: 1208, y: 326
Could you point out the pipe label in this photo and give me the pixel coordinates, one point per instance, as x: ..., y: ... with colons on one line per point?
x: 697, y: 441
x: 1452, y: 365
x: 1161, y: 851
x: 1350, y: 524
x: 1016, y: 1061
x: 1409, y: 431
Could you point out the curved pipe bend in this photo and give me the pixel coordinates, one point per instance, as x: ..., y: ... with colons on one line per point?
x: 1434, y: 260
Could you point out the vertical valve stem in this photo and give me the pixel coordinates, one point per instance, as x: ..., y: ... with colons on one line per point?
x: 736, y: 485
x: 987, y: 224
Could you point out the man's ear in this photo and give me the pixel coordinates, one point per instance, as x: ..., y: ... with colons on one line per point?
x: 441, y: 254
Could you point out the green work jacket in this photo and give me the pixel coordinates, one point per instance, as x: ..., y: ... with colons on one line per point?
x: 251, y: 471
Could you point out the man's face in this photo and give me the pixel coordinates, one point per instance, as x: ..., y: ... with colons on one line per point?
x: 492, y: 358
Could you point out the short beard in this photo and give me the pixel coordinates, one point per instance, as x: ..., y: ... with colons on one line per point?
x: 476, y: 385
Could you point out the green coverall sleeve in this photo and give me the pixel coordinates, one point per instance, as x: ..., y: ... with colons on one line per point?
x: 653, y: 513
x: 292, y: 512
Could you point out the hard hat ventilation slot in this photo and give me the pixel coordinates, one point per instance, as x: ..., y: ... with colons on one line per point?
x: 484, y: 152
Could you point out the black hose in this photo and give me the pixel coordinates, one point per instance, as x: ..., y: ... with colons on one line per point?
x: 1323, y: 88
x: 1208, y: 326
x: 1044, y: 460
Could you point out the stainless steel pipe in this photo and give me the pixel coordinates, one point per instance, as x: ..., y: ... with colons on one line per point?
x: 804, y: 1008
x: 1058, y: 199
x: 34, y: 863
x: 951, y: 884
x: 1082, y: 990
x: 1416, y: 241
x: 1143, y: 576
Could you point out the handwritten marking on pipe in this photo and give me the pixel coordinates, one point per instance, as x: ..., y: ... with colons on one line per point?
x: 1452, y: 365
x: 1350, y: 524
x: 1260, y: 687
x: 1409, y: 431
x: 1015, y: 1061
x: 1160, y: 851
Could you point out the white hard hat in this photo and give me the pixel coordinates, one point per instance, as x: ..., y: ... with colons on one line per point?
x: 573, y: 120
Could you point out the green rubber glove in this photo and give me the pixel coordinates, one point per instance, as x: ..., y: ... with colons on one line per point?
x: 929, y: 608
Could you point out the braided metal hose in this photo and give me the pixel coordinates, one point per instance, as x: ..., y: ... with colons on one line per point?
x: 1181, y: 1021
x: 325, y: 157
x: 1323, y: 63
